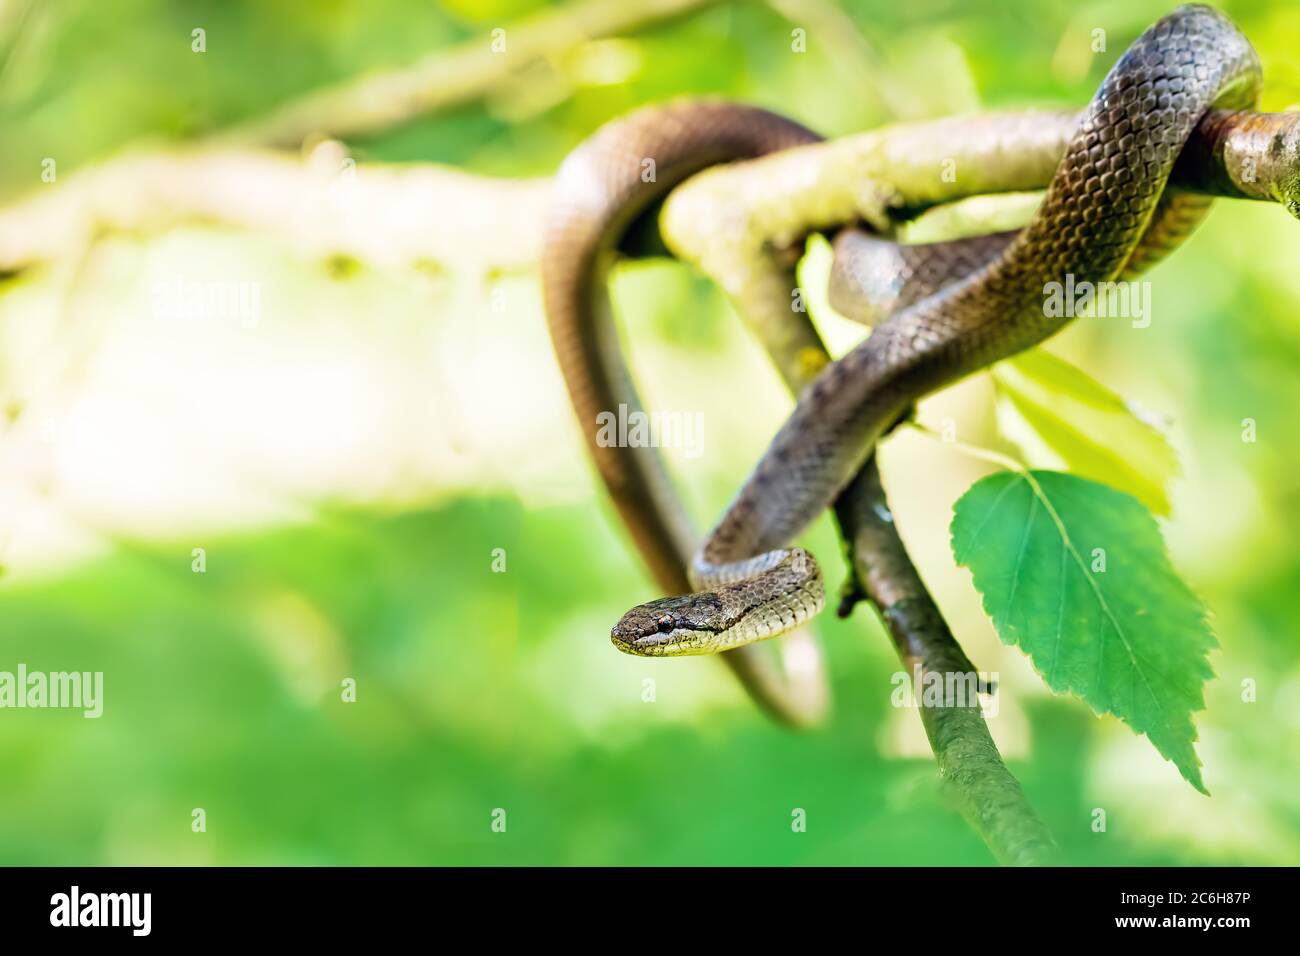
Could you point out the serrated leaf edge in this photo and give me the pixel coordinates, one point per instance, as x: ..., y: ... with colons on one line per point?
x: 1067, y: 543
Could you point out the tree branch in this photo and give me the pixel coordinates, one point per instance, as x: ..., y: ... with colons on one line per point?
x: 721, y: 219
x: 452, y: 77
x: 325, y: 206
x: 886, y: 176
x: 988, y: 795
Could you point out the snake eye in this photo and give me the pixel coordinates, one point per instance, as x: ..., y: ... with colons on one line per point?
x: 665, y: 624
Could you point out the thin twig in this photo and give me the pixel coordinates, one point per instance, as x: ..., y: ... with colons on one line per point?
x: 988, y: 795
x: 453, y: 77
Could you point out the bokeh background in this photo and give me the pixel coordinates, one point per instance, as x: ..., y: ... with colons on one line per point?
x: 350, y: 461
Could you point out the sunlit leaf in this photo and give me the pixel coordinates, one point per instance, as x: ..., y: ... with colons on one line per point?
x: 814, y: 274
x: 1076, y: 574
x: 1063, y: 419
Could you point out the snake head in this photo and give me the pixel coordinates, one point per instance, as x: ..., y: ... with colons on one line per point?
x: 672, y: 626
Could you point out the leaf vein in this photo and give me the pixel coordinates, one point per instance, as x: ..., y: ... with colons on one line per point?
x: 1068, y: 542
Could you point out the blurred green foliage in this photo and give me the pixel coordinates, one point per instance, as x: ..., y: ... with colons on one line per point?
x: 478, y: 691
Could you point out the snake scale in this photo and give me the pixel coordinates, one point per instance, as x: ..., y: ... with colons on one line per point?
x: 940, y: 312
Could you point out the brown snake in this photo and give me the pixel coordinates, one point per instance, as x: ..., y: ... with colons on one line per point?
x: 941, y: 312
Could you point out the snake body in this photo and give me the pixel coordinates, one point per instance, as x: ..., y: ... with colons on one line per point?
x: 940, y: 312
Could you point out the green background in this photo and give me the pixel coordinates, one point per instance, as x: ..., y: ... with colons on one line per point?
x: 478, y: 690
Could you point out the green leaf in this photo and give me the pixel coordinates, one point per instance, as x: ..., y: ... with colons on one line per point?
x: 1076, y: 574
x: 814, y: 277
x: 1063, y: 419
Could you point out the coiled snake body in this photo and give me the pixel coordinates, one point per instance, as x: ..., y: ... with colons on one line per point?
x: 947, y: 310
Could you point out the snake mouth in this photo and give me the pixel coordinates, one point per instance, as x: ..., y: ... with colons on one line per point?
x: 677, y: 640
x: 681, y: 625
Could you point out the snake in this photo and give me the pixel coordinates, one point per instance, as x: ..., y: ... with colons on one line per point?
x: 938, y: 311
